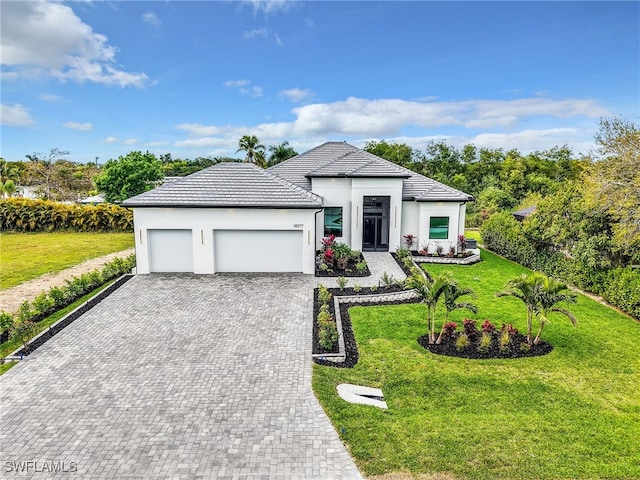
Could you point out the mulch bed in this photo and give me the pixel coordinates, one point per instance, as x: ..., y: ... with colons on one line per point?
x: 350, y: 344
x: 416, y: 253
x: 448, y: 347
x: 350, y: 271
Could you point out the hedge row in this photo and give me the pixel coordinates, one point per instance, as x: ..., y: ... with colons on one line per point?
x: 59, y: 297
x: 25, y: 215
x: 620, y: 287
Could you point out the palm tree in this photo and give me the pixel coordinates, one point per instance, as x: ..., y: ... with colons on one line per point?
x: 430, y: 292
x: 526, y: 288
x: 254, y: 149
x: 451, y: 294
x: 280, y: 153
x: 552, y: 293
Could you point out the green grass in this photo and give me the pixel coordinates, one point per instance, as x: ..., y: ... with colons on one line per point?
x: 25, y: 256
x: 6, y: 366
x: 574, y: 413
x: 12, y: 344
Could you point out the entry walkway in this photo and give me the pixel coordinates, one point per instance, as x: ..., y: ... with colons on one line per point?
x: 176, y: 377
x: 379, y: 263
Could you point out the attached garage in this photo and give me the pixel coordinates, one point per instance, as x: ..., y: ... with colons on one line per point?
x: 170, y: 250
x: 258, y: 250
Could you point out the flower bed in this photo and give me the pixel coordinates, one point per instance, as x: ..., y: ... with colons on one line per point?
x: 337, y: 259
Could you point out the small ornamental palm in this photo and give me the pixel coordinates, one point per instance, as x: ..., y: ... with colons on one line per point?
x: 429, y: 292
x: 553, y: 293
x: 526, y: 288
x: 451, y: 294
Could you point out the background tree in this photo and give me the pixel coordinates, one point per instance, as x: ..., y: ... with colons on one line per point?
x: 254, y: 150
x: 613, y: 181
x: 130, y: 175
x: 41, y: 170
x: 398, y: 153
x: 280, y: 153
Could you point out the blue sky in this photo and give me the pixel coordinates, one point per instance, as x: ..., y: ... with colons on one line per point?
x: 190, y: 78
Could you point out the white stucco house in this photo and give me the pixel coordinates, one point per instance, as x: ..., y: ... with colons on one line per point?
x: 236, y: 217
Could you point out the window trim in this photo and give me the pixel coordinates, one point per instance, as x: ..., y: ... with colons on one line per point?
x: 431, y: 227
x: 333, y: 226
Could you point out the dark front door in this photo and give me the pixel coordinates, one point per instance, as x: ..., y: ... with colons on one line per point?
x: 375, y: 224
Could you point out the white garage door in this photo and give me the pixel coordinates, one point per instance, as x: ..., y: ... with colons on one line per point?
x: 258, y: 250
x: 170, y: 251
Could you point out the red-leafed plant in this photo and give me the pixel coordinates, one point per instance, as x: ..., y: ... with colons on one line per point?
x: 470, y: 328
x: 449, y: 328
x: 328, y: 256
x: 328, y: 241
x: 488, y: 327
x: 409, y: 240
x: 462, y: 243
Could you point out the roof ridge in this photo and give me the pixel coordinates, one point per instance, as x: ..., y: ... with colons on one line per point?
x: 330, y: 162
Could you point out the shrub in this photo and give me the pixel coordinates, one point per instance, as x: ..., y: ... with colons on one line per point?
x: 387, y: 280
x: 449, y: 328
x: 470, y: 329
x: 324, y: 308
x: 26, y: 215
x: 488, y: 327
x: 6, y: 321
x: 402, y: 253
x: 525, y: 347
x: 23, y: 331
x: 43, y: 303
x: 25, y: 313
x: 373, y: 288
x: 361, y: 267
x: 357, y: 288
x: 324, y: 296
x: 342, y: 282
x: 324, y: 316
x: 485, y: 343
x: 407, y: 262
x: 623, y: 290
x: 328, y: 335
x: 58, y: 296
x: 462, y: 342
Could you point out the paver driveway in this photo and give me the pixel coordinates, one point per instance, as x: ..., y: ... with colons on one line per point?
x: 176, y: 376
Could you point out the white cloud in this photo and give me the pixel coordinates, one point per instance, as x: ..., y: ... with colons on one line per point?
x: 263, y: 33
x: 110, y: 140
x: 130, y: 141
x: 152, y: 19
x: 296, y: 94
x: 357, y: 120
x: 48, y: 97
x: 15, y: 116
x: 244, y: 87
x: 161, y: 143
x: 260, y: 32
x: 82, y: 127
x: 270, y: 6
x: 47, y: 38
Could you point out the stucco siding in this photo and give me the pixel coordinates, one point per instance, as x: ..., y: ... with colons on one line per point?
x: 439, y: 209
x: 204, y: 221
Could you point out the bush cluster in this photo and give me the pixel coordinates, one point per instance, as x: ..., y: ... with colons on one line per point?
x: 327, y: 330
x: 620, y: 287
x: 25, y: 215
x: 59, y: 297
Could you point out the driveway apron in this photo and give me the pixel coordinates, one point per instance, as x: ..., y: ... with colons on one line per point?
x: 175, y: 376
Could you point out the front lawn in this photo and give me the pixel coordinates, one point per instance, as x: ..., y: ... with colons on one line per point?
x: 25, y: 256
x: 574, y: 413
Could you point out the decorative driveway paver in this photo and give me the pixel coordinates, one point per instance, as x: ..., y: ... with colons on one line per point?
x: 175, y: 376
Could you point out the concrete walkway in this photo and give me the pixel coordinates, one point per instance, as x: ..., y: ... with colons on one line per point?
x: 176, y: 376
x: 379, y: 263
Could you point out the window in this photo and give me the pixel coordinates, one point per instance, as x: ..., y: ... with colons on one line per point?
x: 439, y: 228
x: 333, y: 221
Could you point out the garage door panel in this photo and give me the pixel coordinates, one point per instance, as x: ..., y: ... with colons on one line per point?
x: 258, y: 250
x: 170, y: 251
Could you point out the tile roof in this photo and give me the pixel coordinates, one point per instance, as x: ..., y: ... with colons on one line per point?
x: 339, y: 159
x: 228, y: 184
